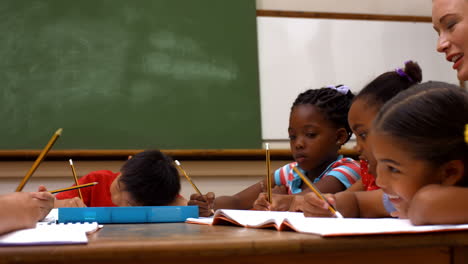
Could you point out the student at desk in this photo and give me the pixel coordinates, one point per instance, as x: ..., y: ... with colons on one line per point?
x: 23, y: 209
x: 419, y: 144
x: 147, y: 179
x: 318, y: 127
x: 363, y: 199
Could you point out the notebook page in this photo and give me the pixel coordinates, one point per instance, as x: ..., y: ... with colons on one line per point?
x: 251, y: 218
x: 363, y: 226
x: 46, y: 233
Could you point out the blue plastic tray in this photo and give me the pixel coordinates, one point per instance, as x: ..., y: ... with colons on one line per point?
x: 134, y: 214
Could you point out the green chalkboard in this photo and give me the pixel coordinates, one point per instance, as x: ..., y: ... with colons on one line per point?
x: 129, y: 74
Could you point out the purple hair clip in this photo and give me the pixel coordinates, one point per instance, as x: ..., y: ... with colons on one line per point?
x: 402, y: 73
x: 343, y: 89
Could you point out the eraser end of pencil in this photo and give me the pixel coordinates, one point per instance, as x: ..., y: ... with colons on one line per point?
x: 177, y: 162
x: 59, y: 131
x: 338, y: 215
x: 71, y: 162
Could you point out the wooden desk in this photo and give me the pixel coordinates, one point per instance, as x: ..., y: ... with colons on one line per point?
x: 188, y: 243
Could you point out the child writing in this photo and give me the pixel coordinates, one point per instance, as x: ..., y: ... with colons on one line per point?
x: 23, y: 209
x: 317, y: 128
x: 147, y: 179
x: 363, y: 110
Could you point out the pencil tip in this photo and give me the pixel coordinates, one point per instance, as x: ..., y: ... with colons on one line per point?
x: 59, y: 131
x: 71, y: 162
x: 267, y: 146
x: 177, y: 162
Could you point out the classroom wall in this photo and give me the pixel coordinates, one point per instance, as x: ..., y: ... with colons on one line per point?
x: 214, y: 178
x: 384, y: 7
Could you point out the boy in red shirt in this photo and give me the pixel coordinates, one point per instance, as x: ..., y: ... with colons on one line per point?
x: 147, y: 179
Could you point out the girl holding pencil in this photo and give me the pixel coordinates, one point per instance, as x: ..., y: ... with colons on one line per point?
x: 418, y: 141
x: 361, y: 114
x: 318, y: 127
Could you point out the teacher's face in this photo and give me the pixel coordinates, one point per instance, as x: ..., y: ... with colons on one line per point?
x: 450, y: 20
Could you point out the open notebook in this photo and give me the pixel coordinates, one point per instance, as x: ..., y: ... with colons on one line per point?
x: 326, y: 227
x: 48, y: 232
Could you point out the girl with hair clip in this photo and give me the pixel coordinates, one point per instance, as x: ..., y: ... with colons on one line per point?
x: 363, y: 199
x: 318, y: 127
x: 418, y: 140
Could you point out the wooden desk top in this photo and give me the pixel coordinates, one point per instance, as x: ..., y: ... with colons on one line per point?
x: 189, y: 243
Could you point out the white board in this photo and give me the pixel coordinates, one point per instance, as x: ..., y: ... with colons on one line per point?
x: 296, y: 54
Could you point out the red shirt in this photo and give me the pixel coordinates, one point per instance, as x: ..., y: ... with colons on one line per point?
x: 95, y: 196
x: 368, y: 180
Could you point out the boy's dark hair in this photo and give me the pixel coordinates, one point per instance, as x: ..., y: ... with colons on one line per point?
x: 331, y: 102
x: 389, y: 84
x: 151, y: 178
x: 430, y: 120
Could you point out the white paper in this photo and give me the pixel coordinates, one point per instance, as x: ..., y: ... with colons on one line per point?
x: 47, y: 233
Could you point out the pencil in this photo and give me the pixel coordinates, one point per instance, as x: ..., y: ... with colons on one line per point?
x: 268, y: 175
x: 74, y: 187
x: 39, y: 159
x: 190, y: 180
x: 317, y: 192
x: 466, y: 133
x: 76, y: 179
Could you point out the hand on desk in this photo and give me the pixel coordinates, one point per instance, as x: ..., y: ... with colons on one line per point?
x: 313, y: 206
x: 205, y: 203
x: 282, y: 201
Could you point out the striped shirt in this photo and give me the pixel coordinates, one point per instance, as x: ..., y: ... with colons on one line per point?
x: 346, y: 170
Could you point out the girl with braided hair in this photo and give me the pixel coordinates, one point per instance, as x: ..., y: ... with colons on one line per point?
x: 318, y: 127
x: 364, y: 199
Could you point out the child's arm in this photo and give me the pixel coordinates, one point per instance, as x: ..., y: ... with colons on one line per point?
x: 350, y: 204
x: 23, y: 210
x: 437, y: 204
x: 329, y: 184
x: 356, y: 187
x: 294, y: 202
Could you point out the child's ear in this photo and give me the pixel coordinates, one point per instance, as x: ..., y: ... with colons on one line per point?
x: 452, y: 172
x: 341, y: 136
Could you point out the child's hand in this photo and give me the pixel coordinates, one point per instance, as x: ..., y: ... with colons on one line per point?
x: 205, y: 203
x: 313, y: 206
x: 73, y: 202
x: 44, y: 201
x: 281, y: 202
x: 262, y: 204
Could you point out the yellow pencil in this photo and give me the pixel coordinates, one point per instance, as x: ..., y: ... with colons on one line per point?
x: 74, y: 187
x: 39, y: 159
x: 189, y: 180
x: 268, y: 175
x: 75, y: 178
x: 318, y: 193
x: 466, y: 133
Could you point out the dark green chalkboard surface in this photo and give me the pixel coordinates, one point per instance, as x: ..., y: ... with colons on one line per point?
x: 129, y: 74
